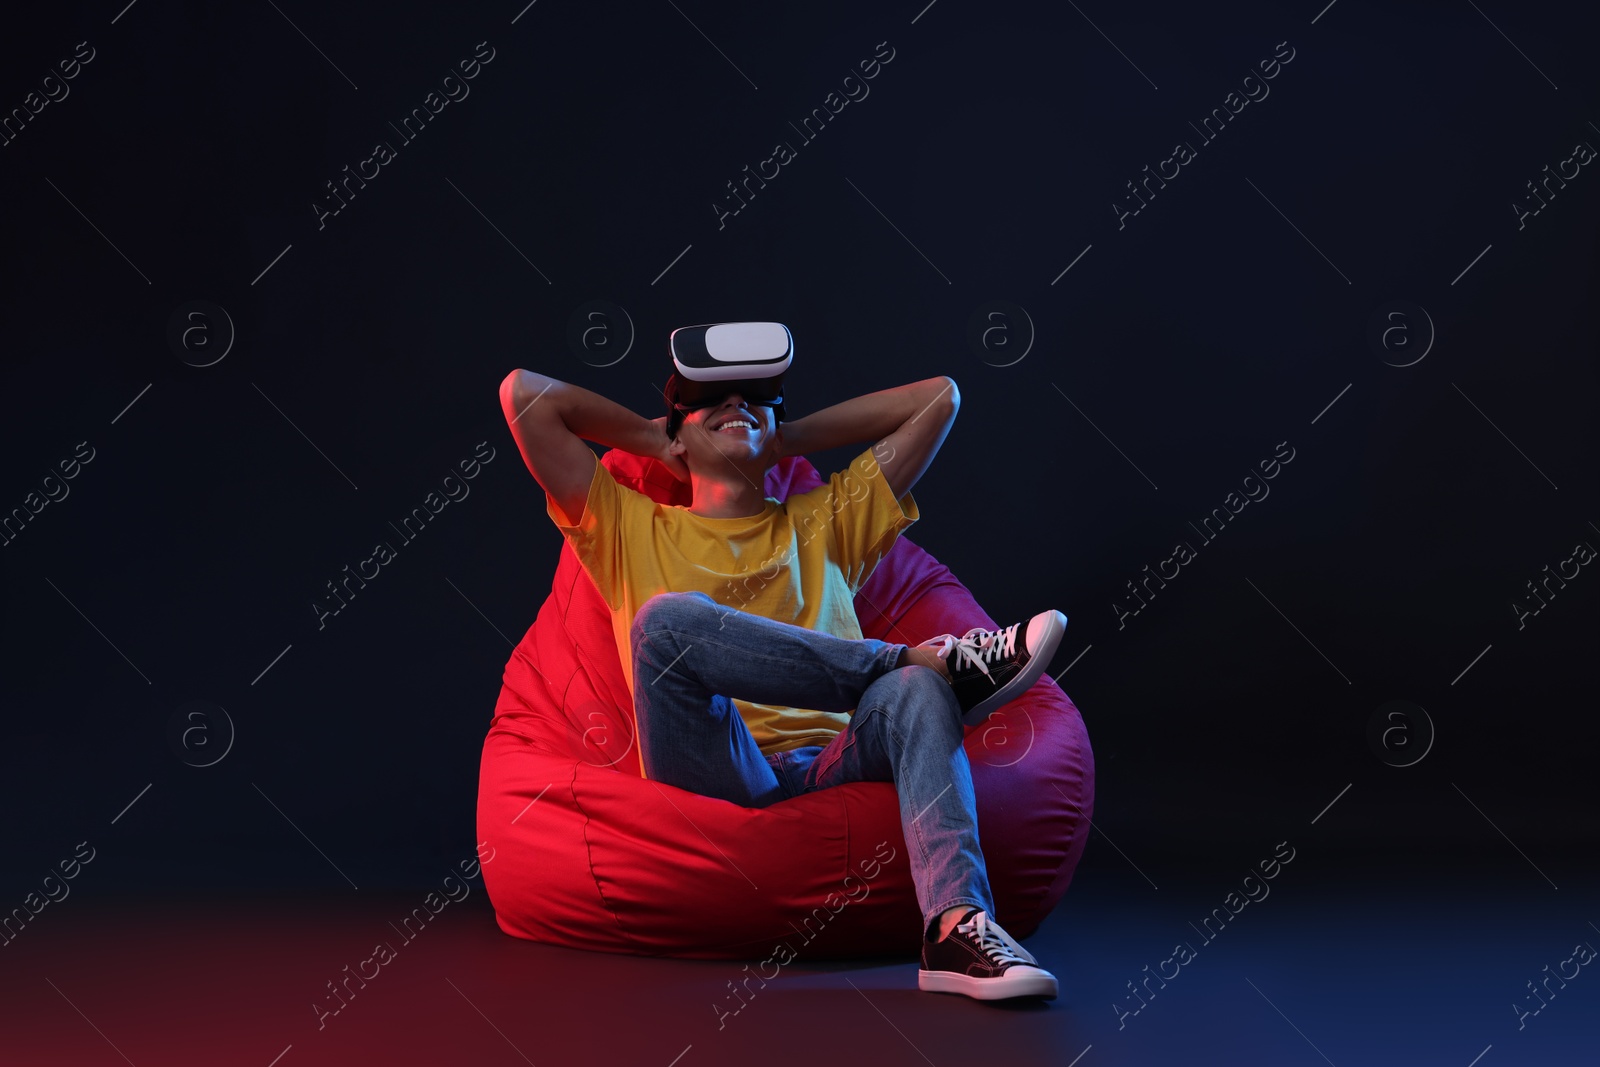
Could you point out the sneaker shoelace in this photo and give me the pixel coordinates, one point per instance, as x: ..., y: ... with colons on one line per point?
x: 995, y: 942
x: 977, y: 647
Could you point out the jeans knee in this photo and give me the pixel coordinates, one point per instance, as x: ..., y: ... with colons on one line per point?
x: 921, y: 693
x: 668, y: 611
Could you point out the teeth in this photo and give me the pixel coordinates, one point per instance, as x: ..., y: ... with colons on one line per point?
x: 737, y: 422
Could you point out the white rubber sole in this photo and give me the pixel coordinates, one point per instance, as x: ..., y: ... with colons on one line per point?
x: 1044, y: 635
x: 1017, y: 982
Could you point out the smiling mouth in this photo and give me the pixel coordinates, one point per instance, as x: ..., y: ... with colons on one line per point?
x: 738, y: 424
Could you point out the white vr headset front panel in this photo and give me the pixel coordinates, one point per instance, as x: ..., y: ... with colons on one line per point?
x: 732, y: 350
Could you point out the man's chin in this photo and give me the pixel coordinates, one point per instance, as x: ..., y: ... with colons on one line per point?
x: 739, y: 445
x: 753, y: 458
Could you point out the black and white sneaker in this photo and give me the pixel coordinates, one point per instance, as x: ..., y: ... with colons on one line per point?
x: 982, y: 961
x: 989, y: 668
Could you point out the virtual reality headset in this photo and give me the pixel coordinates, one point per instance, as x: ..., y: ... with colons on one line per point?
x: 749, y: 358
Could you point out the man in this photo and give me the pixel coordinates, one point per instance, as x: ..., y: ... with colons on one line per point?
x: 736, y: 628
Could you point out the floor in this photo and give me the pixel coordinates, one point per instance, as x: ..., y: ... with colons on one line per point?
x: 1385, y: 962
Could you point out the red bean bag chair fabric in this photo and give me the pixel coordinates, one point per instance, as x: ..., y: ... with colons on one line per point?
x: 579, y: 849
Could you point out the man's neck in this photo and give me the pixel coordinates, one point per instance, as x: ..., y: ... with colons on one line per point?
x: 735, y: 497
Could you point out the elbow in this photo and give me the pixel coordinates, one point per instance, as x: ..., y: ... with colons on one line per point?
x: 511, y: 388
x: 948, y: 399
x: 518, y: 391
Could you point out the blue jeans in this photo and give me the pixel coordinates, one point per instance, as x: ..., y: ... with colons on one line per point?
x: 691, y: 654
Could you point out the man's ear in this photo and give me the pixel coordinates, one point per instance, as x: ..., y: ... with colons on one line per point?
x: 675, y: 446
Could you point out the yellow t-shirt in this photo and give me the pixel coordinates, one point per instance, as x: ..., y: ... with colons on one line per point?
x: 800, y: 561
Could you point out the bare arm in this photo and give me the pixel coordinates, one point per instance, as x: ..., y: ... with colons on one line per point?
x: 551, y: 420
x: 912, y: 421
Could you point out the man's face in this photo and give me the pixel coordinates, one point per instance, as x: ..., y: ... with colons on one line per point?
x: 732, y: 430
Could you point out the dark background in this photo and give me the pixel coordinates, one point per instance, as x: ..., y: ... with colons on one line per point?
x: 1191, y: 342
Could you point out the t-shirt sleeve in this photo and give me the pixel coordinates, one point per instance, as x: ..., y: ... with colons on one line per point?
x: 598, y: 538
x: 863, y: 513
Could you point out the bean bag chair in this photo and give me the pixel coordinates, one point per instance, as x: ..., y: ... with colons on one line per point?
x: 580, y: 849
